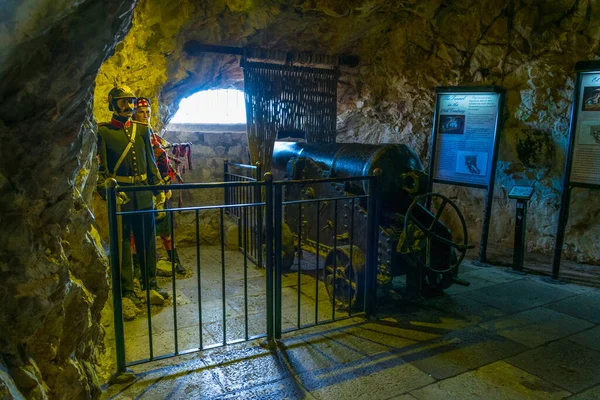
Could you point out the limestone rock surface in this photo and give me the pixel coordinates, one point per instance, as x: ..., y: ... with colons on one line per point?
x: 53, y: 278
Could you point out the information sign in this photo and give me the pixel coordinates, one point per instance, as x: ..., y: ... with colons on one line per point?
x: 520, y: 192
x: 464, y: 144
x: 582, y: 165
x: 586, y: 147
x: 466, y: 135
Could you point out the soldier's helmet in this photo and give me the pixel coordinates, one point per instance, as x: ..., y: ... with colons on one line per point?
x: 119, y: 92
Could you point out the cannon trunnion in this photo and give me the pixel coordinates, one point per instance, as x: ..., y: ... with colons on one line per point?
x: 418, y: 245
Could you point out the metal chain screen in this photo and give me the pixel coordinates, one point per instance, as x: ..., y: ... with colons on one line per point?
x: 283, y: 98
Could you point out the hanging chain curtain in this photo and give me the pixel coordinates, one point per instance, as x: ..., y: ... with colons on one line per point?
x: 287, y: 98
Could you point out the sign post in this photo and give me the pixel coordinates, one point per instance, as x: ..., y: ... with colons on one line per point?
x: 522, y: 194
x: 464, y: 146
x: 582, y: 164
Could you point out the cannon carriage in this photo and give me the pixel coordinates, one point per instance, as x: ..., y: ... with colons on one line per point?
x: 412, y: 240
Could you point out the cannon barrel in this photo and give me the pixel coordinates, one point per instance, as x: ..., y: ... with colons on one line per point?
x: 402, y: 177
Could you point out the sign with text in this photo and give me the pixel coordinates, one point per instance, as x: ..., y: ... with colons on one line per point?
x: 520, y: 192
x: 585, y: 167
x: 465, y: 135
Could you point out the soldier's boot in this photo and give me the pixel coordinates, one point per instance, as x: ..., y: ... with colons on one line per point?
x: 178, y: 267
x: 154, y: 286
x: 137, y: 269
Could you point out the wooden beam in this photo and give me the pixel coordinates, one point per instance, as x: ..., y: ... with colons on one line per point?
x: 195, y: 48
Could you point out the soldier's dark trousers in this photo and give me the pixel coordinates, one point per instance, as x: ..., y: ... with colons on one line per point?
x: 143, y: 229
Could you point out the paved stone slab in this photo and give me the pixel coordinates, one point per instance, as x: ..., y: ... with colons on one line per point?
x: 378, y: 377
x: 590, y: 394
x: 441, y: 315
x: 395, y: 331
x: 188, y: 380
x: 336, y: 352
x: 536, y: 327
x: 467, y: 266
x: 382, y: 335
x: 497, y: 381
x: 200, y: 384
x: 584, y: 306
x: 476, y: 283
x: 589, y: 338
x: 284, y: 389
x: 258, y: 370
x: 569, y: 287
x: 460, y: 351
x: 564, y: 363
x: 363, y: 341
x: 493, y: 274
x: 304, y: 356
x: 517, y: 296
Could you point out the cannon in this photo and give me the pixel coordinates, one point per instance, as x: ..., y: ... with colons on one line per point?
x: 413, y: 241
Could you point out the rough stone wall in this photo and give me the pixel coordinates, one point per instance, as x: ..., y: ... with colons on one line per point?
x: 209, y: 151
x: 53, y: 281
x: 407, y: 48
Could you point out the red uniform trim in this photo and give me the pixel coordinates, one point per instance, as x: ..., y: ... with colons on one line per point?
x: 119, y: 124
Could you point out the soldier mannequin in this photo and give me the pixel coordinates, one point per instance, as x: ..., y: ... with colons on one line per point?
x: 142, y: 116
x: 125, y: 154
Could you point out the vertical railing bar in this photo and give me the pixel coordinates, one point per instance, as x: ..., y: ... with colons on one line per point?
x: 277, y: 233
x: 225, y: 179
x: 115, y: 267
x: 146, y: 274
x: 245, y: 225
x: 351, y: 260
x: 372, y: 242
x: 300, y: 254
x: 317, y: 267
x: 222, y: 232
x: 334, y: 258
x: 269, y: 252
x: 173, y: 279
x: 199, y: 278
x: 259, y: 222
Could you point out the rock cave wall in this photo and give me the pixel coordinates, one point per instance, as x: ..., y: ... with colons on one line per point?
x: 406, y: 48
x: 53, y: 277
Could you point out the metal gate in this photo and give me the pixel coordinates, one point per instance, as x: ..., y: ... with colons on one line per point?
x: 234, y: 172
x: 272, y: 286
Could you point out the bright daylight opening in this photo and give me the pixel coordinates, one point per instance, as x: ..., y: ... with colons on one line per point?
x: 223, y: 106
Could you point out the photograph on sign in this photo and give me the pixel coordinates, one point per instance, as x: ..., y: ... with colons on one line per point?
x: 452, y: 124
x: 585, y: 164
x: 589, y: 133
x: 466, y: 134
x: 471, y: 163
x: 591, y: 98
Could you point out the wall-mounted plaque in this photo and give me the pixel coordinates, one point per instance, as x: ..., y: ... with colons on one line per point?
x: 464, y: 144
x: 586, y: 147
x: 465, y: 131
x: 582, y: 165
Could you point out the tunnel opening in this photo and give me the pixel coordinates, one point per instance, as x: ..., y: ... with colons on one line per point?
x: 218, y: 106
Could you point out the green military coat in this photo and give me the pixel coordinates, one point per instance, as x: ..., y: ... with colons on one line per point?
x: 138, y: 166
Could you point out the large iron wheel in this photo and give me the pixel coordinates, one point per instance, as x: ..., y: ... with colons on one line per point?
x: 429, y: 233
x: 344, y: 276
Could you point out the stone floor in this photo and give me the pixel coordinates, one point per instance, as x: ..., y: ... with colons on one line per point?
x: 506, y: 336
